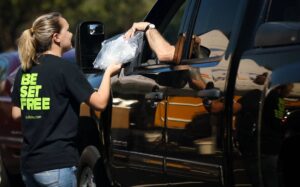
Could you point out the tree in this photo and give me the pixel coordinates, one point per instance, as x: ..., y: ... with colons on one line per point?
x: 117, y: 15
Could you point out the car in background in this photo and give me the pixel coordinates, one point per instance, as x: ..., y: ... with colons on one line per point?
x: 160, y: 129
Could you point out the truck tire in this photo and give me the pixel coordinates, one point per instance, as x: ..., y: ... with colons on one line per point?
x: 4, y: 182
x: 91, y: 170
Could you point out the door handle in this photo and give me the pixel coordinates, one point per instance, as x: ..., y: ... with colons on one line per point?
x: 155, y: 96
x: 210, y: 93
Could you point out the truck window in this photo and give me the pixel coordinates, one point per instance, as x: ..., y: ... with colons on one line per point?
x: 172, y: 30
x: 284, y: 11
x: 211, y: 37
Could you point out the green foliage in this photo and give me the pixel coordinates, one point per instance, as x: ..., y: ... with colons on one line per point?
x: 117, y: 15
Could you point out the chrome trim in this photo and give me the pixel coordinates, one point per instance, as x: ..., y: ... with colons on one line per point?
x: 5, y: 99
x: 171, y: 159
x: 177, y: 119
x: 169, y: 183
x: 11, y: 139
x: 194, y: 162
x: 183, y: 104
x: 137, y: 153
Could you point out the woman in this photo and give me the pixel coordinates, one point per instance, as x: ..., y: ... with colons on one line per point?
x: 47, y: 95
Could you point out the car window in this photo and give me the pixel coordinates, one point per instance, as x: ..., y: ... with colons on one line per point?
x: 211, y: 32
x: 211, y: 37
x: 9, y: 61
x: 210, y: 44
x: 172, y: 30
x: 3, y: 72
x: 284, y: 11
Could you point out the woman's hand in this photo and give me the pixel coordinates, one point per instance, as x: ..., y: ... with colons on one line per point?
x: 139, y: 26
x: 113, y: 69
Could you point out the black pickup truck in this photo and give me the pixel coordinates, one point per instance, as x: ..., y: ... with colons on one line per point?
x: 161, y: 129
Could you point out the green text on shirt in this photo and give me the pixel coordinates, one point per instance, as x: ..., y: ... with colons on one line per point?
x: 30, y: 94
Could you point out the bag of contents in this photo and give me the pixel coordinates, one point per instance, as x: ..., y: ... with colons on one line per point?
x: 118, y: 50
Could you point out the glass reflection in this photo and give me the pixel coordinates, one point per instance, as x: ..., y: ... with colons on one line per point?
x: 277, y: 130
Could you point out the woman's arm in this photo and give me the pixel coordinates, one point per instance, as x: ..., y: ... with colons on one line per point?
x: 98, y: 100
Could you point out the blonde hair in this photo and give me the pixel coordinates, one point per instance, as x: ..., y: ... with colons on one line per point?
x: 38, y: 38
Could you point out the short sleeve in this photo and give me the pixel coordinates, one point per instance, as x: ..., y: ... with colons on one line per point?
x: 76, y: 83
x: 15, y: 95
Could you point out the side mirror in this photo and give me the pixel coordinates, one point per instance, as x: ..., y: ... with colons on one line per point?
x: 89, y: 36
x: 277, y: 34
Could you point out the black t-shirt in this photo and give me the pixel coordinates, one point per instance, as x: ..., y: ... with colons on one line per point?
x: 49, y: 95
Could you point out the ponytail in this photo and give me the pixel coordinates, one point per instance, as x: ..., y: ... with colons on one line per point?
x: 35, y: 41
x: 26, y: 49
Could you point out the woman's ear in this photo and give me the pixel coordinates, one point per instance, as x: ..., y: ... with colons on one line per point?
x: 56, y: 38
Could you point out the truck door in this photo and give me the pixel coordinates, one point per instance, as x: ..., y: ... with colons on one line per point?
x: 194, y: 123
x: 267, y: 85
x: 137, y: 139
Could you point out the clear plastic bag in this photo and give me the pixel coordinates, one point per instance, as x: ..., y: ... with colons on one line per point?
x: 118, y: 50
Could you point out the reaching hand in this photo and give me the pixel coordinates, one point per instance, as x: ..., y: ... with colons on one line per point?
x: 113, y: 69
x: 139, y: 26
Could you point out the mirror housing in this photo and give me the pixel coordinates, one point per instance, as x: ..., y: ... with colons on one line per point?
x: 89, y: 36
x: 272, y: 34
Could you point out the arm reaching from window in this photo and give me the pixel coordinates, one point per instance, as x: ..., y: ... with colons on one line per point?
x: 161, y: 47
